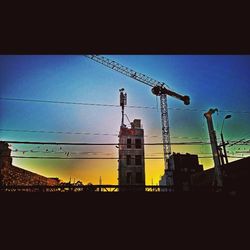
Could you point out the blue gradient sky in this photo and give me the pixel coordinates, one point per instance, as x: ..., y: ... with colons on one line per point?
x: 210, y: 81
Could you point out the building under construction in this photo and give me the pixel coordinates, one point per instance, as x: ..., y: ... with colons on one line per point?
x: 131, y: 167
x: 131, y: 155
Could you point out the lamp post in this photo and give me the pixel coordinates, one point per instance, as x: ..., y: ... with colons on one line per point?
x: 222, y: 138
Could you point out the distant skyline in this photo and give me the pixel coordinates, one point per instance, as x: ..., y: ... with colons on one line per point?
x: 211, y: 81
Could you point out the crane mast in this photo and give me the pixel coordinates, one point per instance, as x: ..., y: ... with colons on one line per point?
x: 158, y: 89
x: 165, y: 131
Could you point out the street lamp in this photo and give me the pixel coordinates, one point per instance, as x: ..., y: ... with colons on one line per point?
x: 222, y: 138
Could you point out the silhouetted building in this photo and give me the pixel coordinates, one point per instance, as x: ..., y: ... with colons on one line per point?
x: 13, y: 176
x: 131, y: 168
x: 184, y: 166
x: 235, y: 176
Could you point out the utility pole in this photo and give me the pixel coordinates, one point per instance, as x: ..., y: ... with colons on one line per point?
x: 221, y: 155
x: 224, y: 148
x: 222, y: 138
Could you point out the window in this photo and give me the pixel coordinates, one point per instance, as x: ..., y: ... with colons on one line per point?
x: 137, y: 143
x: 128, y: 178
x: 128, y: 143
x: 138, y: 177
x: 128, y: 159
x: 138, y: 160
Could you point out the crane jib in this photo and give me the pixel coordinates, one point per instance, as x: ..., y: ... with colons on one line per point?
x: 158, y: 89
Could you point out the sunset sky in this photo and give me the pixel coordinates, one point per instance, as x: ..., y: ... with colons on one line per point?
x: 211, y: 81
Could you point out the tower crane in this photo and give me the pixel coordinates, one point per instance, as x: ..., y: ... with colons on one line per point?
x: 158, y: 89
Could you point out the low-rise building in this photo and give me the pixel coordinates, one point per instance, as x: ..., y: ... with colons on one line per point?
x: 14, y: 176
x: 183, y: 165
x: 235, y: 177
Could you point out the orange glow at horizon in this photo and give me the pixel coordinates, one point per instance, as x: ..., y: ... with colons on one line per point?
x: 90, y: 171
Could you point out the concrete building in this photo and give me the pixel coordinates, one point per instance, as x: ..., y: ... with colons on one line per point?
x: 131, y: 169
x: 12, y: 176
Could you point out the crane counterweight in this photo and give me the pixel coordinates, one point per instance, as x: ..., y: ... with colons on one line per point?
x: 186, y: 100
x: 160, y: 90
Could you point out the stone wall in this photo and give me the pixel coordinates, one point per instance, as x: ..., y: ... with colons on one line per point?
x: 12, y: 175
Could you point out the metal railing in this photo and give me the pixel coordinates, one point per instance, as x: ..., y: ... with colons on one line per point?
x: 82, y: 188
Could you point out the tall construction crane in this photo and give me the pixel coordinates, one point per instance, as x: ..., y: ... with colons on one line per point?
x: 158, y: 89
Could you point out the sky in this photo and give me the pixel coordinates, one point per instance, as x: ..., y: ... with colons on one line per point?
x: 211, y: 81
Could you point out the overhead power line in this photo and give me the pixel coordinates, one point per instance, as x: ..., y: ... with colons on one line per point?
x: 232, y: 142
x: 88, y: 133
x: 239, y: 142
x: 113, y: 105
x: 102, y: 144
x: 95, y: 153
x: 56, y: 132
x: 114, y: 144
x: 73, y: 103
x: 99, y: 158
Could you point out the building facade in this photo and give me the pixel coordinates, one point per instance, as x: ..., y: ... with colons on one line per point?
x: 131, y: 168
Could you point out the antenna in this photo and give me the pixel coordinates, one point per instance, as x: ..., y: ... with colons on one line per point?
x: 123, y: 102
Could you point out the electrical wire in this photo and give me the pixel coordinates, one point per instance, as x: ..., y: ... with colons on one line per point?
x: 67, y: 152
x: 89, y: 133
x: 98, y: 158
x: 231, y: 143
x: 114, y: 105
x: 72, y: 103
x: 104, y: 144
x: 57, y: 132
x: 116, y: 144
